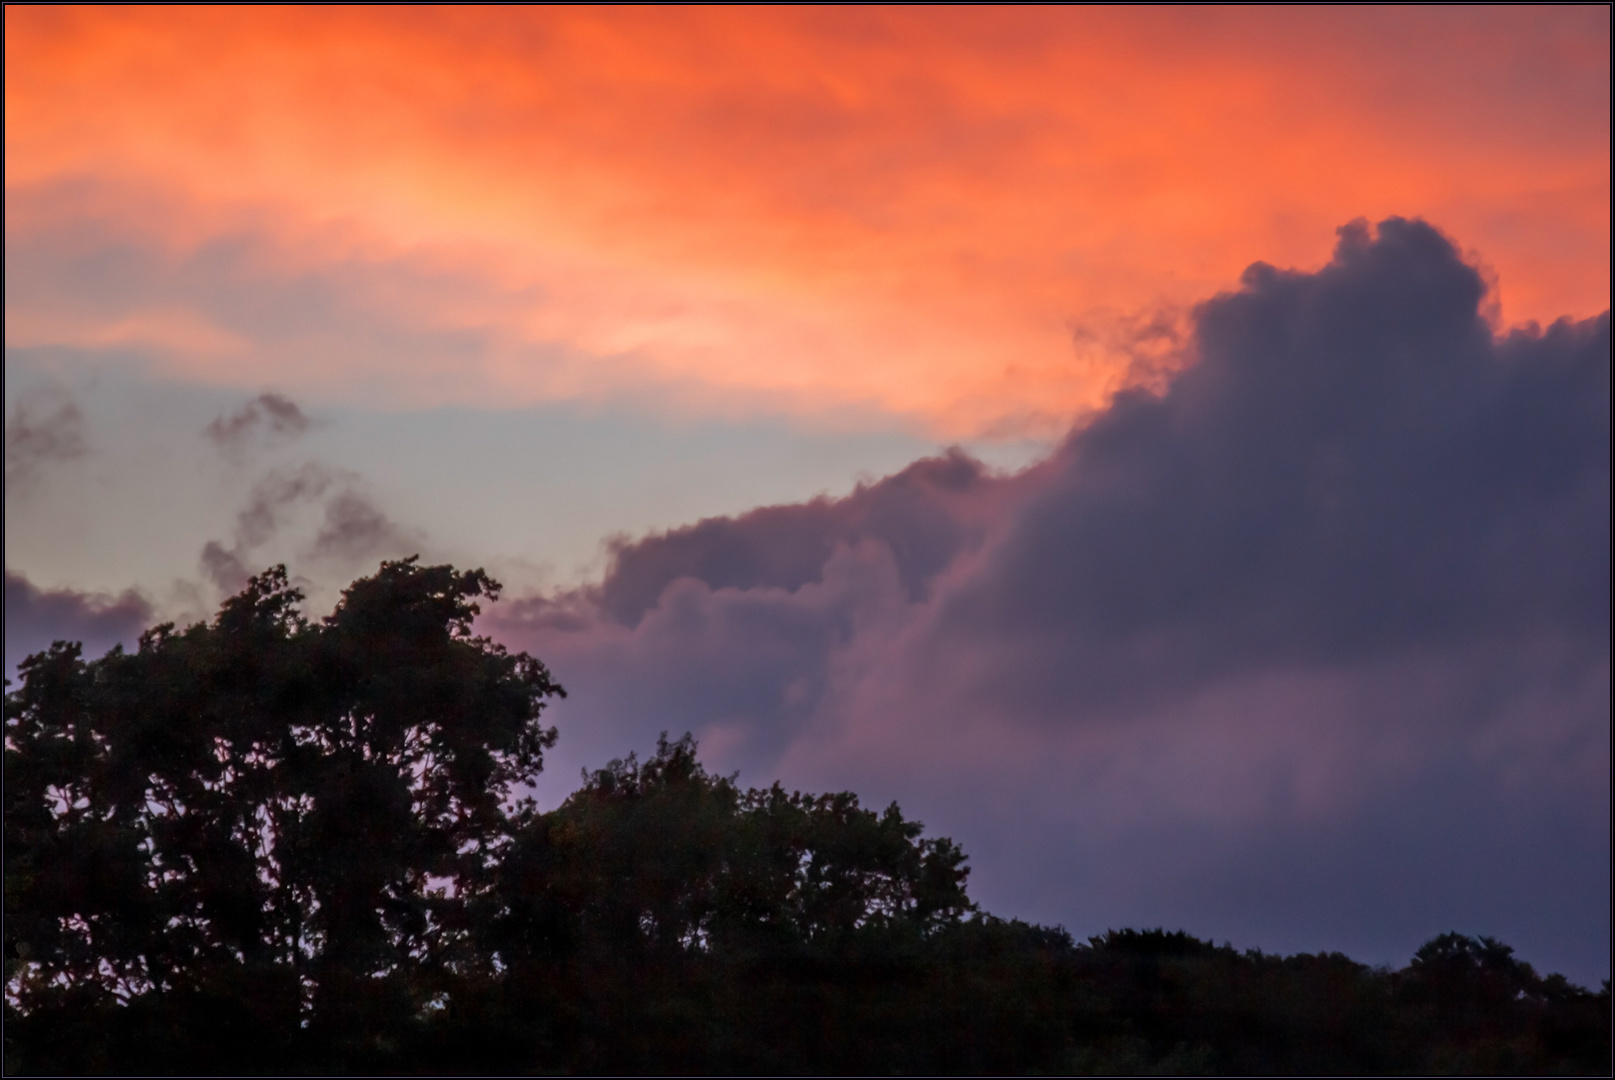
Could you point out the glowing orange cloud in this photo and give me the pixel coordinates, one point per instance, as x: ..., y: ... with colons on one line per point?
x: 965, y: 217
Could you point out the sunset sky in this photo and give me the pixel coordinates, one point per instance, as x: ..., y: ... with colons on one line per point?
x: 1166, y: 449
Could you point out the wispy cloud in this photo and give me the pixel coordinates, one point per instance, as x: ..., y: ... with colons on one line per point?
x: 44, y: 426
x: 355, y: 529
x: 352, y: 528
x: 268, y: 416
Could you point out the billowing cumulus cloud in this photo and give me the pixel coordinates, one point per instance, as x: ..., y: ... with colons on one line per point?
x: 36, y: 617
x: 1310, y: 649
x: 1355, y: 467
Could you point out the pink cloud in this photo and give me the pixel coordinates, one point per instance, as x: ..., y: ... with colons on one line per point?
x: 792, y: 211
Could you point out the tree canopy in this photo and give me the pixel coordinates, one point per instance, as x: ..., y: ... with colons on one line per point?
x: 264, y: 844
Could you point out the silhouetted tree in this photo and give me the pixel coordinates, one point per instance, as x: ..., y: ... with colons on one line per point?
x: 684, y: 908
x: 288, y: 824
x: 267, y: 845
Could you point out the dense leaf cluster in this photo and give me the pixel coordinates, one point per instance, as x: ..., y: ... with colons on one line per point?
x: 265, y: 845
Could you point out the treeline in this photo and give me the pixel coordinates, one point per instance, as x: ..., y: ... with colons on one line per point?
x: 263, y: 845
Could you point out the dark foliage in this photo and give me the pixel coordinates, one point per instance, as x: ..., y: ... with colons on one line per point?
x: 262, y: 845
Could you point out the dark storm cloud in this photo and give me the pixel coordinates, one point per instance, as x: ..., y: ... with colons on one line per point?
x: 265, y: 416
x: 37, y: 617
x: 915, y: 514
x: 1344, y: 581
x: 1354, y: 467
x: 741, y: 622
x: 42, y: 427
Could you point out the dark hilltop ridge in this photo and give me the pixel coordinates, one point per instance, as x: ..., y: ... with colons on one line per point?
x: 270, y: 845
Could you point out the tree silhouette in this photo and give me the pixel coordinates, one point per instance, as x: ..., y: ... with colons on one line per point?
x: 263, y: 844
x: 298, y: 819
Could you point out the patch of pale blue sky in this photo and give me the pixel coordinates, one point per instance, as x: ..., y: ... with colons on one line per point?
x: 532, y: 493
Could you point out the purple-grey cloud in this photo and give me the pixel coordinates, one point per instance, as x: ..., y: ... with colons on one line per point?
x: 1355, y: 467
x: 352, y: 528
x: 1310, y: 648
x: 355, y: 528
x: 269, y: 503
x: 267, y: 416
x: 921, y: 515
x: 37, y: 617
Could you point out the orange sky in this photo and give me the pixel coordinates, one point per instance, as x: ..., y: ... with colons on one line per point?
x: 957, y: 218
